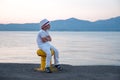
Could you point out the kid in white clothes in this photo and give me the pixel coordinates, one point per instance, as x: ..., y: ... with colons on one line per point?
x: 43, y: 41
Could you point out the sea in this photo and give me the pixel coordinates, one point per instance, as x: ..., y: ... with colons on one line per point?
x: 75, y: 48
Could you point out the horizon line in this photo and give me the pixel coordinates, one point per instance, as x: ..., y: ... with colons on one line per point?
x: 61, y: 19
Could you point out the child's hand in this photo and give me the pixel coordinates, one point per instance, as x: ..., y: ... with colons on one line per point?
x: 49, y: 38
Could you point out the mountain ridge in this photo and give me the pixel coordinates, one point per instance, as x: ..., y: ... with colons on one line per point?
x: 71, y: 24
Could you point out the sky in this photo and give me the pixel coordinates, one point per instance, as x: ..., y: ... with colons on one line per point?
x: 32, y: 11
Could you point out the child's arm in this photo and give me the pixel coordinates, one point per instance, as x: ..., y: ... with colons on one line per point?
x: 45, y: 39
x: 49, y: 38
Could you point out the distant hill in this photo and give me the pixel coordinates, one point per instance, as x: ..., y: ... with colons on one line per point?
x: 71, y: 24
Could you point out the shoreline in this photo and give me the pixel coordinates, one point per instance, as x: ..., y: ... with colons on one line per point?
x: 25, y: 71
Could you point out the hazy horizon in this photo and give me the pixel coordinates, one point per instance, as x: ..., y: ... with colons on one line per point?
x: 59, y: 19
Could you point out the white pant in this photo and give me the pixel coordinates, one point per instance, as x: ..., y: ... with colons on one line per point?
x: 46, y: 48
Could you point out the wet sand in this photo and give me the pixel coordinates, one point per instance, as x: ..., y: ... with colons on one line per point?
x: 17, y: 71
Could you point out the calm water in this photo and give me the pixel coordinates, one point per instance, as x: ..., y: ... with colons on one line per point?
x: 76, y: 48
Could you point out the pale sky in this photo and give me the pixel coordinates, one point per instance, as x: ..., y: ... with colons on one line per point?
x: 32, y: 11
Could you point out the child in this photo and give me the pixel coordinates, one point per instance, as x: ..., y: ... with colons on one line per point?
x: 43, y: 41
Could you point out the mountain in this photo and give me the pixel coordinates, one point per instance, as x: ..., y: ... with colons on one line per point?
x: 71, y: 24
x: 74, y: 24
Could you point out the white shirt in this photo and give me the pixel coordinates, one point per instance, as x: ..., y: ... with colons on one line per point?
x: 40, y: 35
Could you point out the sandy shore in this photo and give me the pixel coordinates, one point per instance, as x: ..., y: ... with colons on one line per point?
x: 15, y: 71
